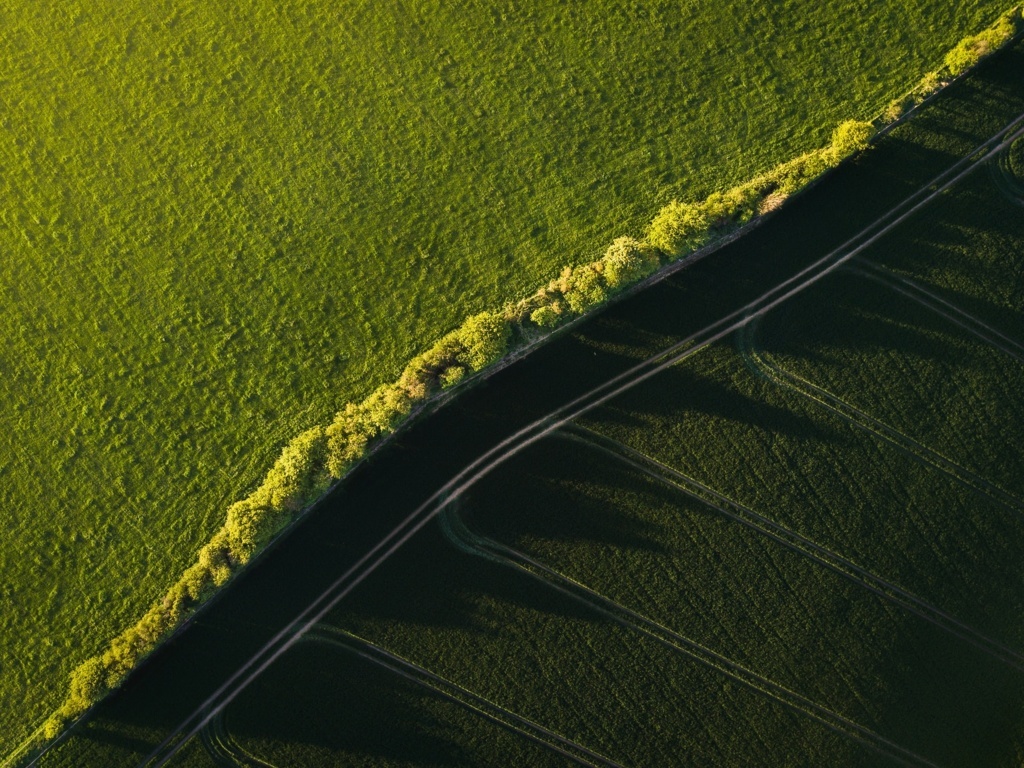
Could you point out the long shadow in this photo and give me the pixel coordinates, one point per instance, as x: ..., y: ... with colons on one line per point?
x: 316, y: 697
x: 368, y: 505
x: 687, y: 391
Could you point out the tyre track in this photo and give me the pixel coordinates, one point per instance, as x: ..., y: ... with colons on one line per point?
x: 863, y: 420
x: 462, y: 537
x: 827, y: 558
x: 501, y: 452
x: 223, y: 748
x: 455, y: 693
x: 1005, y: 180
x: 940, y: 306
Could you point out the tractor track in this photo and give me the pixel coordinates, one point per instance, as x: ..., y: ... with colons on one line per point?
x: 519, y: 441
x: 473, y: 543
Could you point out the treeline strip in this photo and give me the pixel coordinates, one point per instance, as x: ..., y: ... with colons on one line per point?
x: 311, y: 462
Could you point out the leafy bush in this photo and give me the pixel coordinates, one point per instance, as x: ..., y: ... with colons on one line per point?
x: 546, y: 316
x: 973, y: 49
x: 849, y: 138
x: 626, y: 261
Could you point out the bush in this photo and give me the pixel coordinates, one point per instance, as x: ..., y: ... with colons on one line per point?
x: 583, y: 287
x: 485, y: 338
x: 973, y: 49
x: 296, y: 475
x: 626, y: 261
x: 546, y: 316
x: 849, y: 138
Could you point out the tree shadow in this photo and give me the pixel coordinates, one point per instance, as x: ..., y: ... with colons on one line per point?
x: 319, y: 698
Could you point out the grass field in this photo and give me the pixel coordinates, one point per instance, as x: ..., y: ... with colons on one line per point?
x: 220, y: 224
x: 798, y: 547
x: 714, y: 567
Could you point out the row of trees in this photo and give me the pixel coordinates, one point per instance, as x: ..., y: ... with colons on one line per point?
x: 313, y: 460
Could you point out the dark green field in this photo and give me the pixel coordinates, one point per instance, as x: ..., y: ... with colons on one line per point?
x: 798, y: 546
x: 219, y: 224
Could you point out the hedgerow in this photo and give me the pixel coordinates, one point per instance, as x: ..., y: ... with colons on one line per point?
x: 311, y: 462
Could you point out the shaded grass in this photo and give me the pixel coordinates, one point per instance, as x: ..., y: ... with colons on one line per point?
x: 521, y: 645
x: 907, y: 366
x: 813, y: 472
x: 684, y: 565
x: 333, y: 708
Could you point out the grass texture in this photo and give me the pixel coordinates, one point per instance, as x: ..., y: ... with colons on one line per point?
x: 219, y: 224
x: 852, y: 535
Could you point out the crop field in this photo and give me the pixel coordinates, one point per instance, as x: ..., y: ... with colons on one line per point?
x: 797, y: 546
x: 219, y: 225
x: 719, y: 566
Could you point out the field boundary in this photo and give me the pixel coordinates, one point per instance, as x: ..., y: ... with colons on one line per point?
x: 537, y: 430
x: 794, y: 541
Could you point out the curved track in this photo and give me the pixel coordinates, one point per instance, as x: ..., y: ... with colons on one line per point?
x: 224, y: 750
x: 429, y: 509
x: 468, y: 541
x: 1003, y: 176
x: 450, y: 691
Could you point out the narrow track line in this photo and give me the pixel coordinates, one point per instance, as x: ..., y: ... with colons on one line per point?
x: 455, y: 693
x: 876, y: 427
x: 934, y: 302
x: 519, y: 441
x: 786, y: 537
x: 468, y: 541
x: 223, y: 748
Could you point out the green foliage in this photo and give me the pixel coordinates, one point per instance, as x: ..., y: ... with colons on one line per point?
x: 197, y: 311
x: 973, y: 49
x: 545, y: 316
x: 583, y: 287
x: 485, y: 340
x: 849, y: 138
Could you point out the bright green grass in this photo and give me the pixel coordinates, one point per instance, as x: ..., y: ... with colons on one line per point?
x: 220, y: 223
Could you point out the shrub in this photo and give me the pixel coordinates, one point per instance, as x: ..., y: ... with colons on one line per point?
x: 546, y: 316
x: 347, y: 438
x: 584, y: 287
x: 485, y: 337
x: 973, y: 49
x: 626, y: 261
x: 452, y: 376
x: 678, y: 228
x: 849, y: 138
x: 296, y: 474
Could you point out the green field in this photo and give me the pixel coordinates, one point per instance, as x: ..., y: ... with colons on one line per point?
x: 218, y: 225
x: 798, y: 546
